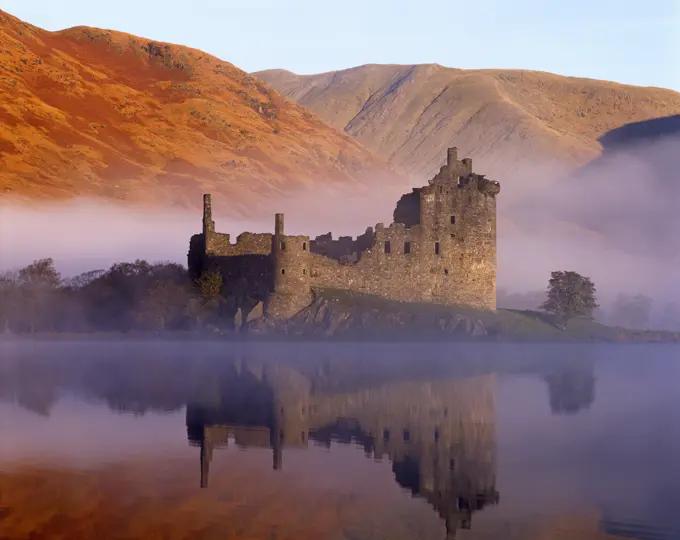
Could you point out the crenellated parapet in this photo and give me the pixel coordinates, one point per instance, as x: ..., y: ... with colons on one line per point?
x: 459, y: 173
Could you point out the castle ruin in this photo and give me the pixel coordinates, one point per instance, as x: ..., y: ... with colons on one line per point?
x: 440, y: 248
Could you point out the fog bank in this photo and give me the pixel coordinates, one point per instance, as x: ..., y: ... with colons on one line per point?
x: 616, y: 222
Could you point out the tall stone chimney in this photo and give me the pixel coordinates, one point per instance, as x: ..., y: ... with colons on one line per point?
x: 208, y: 223
x: 451, y: 157
x: 278, y: 224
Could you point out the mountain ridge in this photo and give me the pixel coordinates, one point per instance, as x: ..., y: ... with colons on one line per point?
x: 502, y: 117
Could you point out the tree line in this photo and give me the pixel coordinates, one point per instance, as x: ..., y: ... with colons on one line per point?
x: 140, y: 295
x: 128, y: 296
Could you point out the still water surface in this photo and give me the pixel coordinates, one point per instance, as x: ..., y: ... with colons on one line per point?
x: 296, y: 441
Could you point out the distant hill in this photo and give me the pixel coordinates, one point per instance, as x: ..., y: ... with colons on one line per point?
x: 89, y: 112
x: 509, y: 121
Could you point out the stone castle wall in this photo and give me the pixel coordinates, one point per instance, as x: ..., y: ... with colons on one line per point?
x: 440, y: 248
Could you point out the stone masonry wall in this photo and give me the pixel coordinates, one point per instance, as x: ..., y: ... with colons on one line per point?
x: 441, y: 248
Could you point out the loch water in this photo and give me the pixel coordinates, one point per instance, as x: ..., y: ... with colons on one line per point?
x: 199, y: 440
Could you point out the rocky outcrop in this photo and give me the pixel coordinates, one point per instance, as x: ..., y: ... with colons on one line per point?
x: 328, y: 317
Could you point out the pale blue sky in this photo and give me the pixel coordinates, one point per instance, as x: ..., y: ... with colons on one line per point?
x: 620, y: 40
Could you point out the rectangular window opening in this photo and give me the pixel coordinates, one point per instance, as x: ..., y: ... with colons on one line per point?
x: 436, y: 248
x: 283, y: 246
x: 388, y: 247
x: 304, y: 246
x: 304, y: 270
x: 453, y: 220
x: 407, y: 248
x: 283, y: 270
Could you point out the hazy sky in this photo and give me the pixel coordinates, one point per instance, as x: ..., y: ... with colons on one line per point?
x: 620, y: 40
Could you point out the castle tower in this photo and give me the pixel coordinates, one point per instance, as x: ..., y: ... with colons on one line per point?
x: 291, y: 266
x: 458, y: 234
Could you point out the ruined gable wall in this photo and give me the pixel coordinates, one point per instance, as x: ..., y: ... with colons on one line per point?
x: 246, y: 265
x: 247, y: 243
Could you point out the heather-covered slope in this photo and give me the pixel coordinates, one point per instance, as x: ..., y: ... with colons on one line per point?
x: 89, y: 112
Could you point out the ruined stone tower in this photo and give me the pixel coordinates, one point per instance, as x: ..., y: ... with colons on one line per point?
x: 291, y: 261
x: 440, y: 248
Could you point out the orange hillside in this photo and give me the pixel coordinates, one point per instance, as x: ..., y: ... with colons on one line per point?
x: 88, y: 112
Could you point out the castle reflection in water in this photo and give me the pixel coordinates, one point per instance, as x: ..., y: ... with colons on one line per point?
x: 439, y: 435
x: 430, y: 412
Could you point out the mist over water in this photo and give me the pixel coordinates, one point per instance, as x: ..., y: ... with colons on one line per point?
x: 615, y: 221
x: 603, y: 452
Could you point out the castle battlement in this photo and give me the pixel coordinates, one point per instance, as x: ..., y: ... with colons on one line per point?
x: 440, y: 248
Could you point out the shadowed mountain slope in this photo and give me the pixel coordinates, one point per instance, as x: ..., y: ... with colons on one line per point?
x: 89, y: 112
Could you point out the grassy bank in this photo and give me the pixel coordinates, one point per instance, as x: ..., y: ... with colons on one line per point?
x: 371, y: 318
x: 502, y: 324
